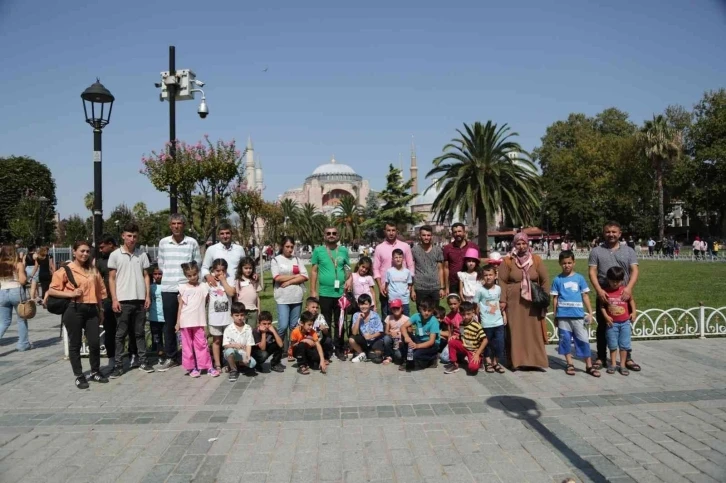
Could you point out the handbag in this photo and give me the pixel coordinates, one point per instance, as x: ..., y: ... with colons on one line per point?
x: 26, y: 308
x: 540, y: 298
x: 57, y: 305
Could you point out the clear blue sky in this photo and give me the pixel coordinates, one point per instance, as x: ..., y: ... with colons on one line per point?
x: 356, y: 82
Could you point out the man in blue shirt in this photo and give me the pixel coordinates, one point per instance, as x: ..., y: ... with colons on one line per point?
x: 421, y: 336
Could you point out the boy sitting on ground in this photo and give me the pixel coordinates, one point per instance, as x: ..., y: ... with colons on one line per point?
x: 267, y: 343
x: 366, y: 333
x: 306, y: 346
x: 471, y: 343
x: 237, y: 341
x: 420, y: 336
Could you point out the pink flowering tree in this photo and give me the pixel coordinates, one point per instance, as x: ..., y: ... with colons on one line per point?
x: 205, y: 174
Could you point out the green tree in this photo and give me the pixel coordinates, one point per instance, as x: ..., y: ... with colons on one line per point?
x: 348, y: 218
x: 114, y: 224
x: 274, y: 221
x: 74, y: 229
x: 477, y: 175
x: 372, y: 206
x: 310, y: 224
x: 248, y: 204
x: 88, y: 201
x: 396, y: 198
x: 290, y: 213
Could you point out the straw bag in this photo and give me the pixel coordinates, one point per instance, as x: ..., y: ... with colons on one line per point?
x: 26, y: 308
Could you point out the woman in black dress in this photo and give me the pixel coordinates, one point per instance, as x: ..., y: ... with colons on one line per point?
x: 46, y: 267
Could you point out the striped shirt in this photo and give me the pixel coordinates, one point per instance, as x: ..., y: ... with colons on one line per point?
x: 171, y: 257
x: 471, y: 335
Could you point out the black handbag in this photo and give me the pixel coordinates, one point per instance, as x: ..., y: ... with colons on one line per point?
x: 57, y: 305
x: 540, y: 298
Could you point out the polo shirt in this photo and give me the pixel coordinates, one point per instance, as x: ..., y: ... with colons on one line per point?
x: 231, y: 255
x: 455, y: 257
x: 171, y: 257
x: 129, y: 267
x: 328, y: 271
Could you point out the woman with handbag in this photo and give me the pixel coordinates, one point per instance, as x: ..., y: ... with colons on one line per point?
x: 84, y: 313
x: 525, y: 296
x: 289, y: 275
x: 12, y: 280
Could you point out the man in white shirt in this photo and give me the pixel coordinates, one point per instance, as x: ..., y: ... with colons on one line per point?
x: 232, y: 253
x: 651, y: 246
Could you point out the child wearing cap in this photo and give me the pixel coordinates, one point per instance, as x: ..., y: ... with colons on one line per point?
x: 468, y: 278
x: 392, y: 339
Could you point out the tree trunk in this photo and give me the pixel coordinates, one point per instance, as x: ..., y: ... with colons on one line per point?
x: 661, y: 213
x: 482, y: 233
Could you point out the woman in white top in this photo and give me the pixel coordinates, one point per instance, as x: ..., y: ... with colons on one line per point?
x: 289, y: 274
x: 12, y: 278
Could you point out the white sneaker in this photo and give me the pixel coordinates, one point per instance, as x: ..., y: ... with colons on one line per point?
x: 359, y: 358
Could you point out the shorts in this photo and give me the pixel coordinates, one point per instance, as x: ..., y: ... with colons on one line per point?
x: 238, y: 356
x: 217, y: 330
x: 618, y: 336
x: 569, y: 329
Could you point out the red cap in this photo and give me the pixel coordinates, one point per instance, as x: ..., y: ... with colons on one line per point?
x: 395, y: 304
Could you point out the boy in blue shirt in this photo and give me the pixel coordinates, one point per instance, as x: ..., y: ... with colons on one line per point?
x: 399, y: 281
x: 420, y: 344
x: 366, y: 331
x: 570, y: 290
x: 493, y: 319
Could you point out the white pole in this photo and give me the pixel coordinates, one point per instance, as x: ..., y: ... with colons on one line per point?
x: 702, y: 317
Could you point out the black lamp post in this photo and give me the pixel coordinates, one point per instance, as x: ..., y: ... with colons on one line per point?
x: 96, y: 97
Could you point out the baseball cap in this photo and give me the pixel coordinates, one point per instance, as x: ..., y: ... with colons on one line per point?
x: 395, y: 304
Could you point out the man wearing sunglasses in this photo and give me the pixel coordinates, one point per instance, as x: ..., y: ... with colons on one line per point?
x: 327, y: 280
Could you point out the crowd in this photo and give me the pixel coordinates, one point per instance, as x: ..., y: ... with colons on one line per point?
x: 494, y: 314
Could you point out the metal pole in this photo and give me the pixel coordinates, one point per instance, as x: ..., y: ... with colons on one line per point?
x: 97, y: 199
x: 171, y: 91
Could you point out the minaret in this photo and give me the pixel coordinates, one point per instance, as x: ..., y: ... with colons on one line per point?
x: 414, y: 169
x: 250, y: 166
x: 258, y: 176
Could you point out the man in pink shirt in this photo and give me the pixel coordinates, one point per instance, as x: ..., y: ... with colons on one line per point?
x: 383, y: 260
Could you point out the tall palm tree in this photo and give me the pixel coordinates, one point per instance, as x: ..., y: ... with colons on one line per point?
x: 661, y: 144
x: 348, y: 218
x: 309, y: 224
x: 482, y: 171
x: 290, y: 213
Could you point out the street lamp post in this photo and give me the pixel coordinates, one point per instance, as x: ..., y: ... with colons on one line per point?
x: 96, y: 97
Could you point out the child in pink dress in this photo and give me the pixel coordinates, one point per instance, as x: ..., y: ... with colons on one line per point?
x: 191, y: 321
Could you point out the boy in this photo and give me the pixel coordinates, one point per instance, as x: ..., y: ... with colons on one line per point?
x: 237, y: 341
x: 570, y: 294
x: 399, y: 281
x: 471, y: 344
x: 366, y: 332
x: 267, y: 343
x: 320, y: 326
x: 619, y: 315
x: 392, y: 339
x: 156, y: 313
x: 421, y: 338
x: 306, y: 346
x: 492, y: 317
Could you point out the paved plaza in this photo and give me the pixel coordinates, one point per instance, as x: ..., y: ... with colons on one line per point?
x: 364, y: 422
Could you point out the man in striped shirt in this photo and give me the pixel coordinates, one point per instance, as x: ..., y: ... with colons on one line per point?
x: 173, y: 251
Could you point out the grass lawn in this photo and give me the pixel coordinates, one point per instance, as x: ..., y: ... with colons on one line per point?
x: 662, y: 284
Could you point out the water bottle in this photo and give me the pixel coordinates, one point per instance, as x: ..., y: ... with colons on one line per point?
x: 409, y: 356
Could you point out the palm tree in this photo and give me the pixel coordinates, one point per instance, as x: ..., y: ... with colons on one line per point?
x: 290, y: 213
x: 88, y: 201
x: 348, y: 218
x: 661, y: 144
x: 481, y: 172
x: 309, y: 224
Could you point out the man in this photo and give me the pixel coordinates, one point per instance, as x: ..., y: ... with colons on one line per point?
x: 383, y: 260
x: 454, y: 257
x: 130, y: 296
x: 428, y: 280
x: 232, y: 253
x: 327, y: 280
x: 173, y: 251
x: 611, y: 254
x: 651, y: 246
x: 106, y: 246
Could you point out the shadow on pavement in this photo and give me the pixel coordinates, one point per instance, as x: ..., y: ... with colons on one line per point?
x: 527, y: 411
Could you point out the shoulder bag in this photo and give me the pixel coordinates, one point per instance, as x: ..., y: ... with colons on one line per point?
x: 26, y: 308
x: 57, y: 305
x: 540, y: 298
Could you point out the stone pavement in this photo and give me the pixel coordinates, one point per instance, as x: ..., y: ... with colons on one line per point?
x: 365, y: 423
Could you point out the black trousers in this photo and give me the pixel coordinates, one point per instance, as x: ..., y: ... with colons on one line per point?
x: 376, y: 345
x: 170, y: 302
x: 109, y: 326
x: 432, y: 294
x: 306, y: 355
x: 601, y: 338
x: 80, y: 318
x: 453, y: 287
x: 133, y: 315
x: 330, y: 310
x: 383, y: 309
x: 157, y: 335
x: 272, y: 349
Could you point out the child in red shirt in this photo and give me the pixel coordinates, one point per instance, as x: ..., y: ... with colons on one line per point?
x: 619, y: 315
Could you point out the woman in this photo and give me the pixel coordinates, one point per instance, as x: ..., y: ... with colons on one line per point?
x: 84, y: 313
x: 31, y: 272
x: 12, y: 279
x: 46, y: 268
x: 527, y: 329
x: 289, y: 275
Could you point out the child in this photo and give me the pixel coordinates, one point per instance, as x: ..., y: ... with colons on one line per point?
x: 392, y: 339
x: 569, y: 292
x: 248, y: 289
x: 618, y: 315
x: 421, y: 338
x: 221, y: 297
x: 156, y: 313
x: 267, y: 343
x: 399, y: 280
x: 367, y: 332
x: 440, y: 314
x: 471, y: 344
x: 320, y: 325
x: 306, y: 347
x: 452, y: 320
x: 238, y: 342
x: 363, y: 282
x: 492, y: 317
x: 469, y: 283
x: 191, y: 321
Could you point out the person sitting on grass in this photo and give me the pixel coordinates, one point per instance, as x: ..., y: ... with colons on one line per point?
x: 237, y: 342
x: 306, y: 347
x: 618, y: 315
x: 392, y: 339
x: 421, y: 338
x: 570, y: 295
x: 470, y: 344
x: 367, y: 332
x: 267, y: 343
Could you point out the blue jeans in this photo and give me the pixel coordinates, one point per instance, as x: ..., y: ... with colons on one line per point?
x: 618, y: 336
x: 288, y: 316
x: 495, y: 343
x: 9, y: 300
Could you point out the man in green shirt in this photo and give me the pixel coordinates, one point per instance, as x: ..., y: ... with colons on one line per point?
x: 327, y: 279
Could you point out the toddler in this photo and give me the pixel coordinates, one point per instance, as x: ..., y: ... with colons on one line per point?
x: 191, y: 322
x: 618, y: 315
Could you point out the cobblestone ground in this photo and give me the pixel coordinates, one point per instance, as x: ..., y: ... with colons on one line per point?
x: 365, y: 423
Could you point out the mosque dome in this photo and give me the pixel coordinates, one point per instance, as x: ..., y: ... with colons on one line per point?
x: 334, y: 171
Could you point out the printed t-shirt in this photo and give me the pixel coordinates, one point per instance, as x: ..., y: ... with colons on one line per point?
x: 422, y: 330
x: 398, y: 282
x: 617, y: 308
x: 220, y: 305
x: 331, y: 267
x: 489, y: 311
x: 568, y: 291
x: 362, y: 285
x: 471, y: 335
x: 257, y: 335
x: 469, y: 284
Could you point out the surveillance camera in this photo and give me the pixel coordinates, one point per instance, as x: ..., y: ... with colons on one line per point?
x: 198, y: 83
x: 157, y: 85
x: 203, y: 110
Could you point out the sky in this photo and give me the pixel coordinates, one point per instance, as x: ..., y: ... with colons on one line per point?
x: 354, y: 82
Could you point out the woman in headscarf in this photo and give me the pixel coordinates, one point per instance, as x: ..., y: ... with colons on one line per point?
x: 526, y: 326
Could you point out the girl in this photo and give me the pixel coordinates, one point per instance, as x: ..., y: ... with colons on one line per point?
x: 191, y: 321
x: 156, y: 313
x: 248, y: 289
x: 362, y: 281
x: 221, y: 297
x: 469, y: 283
x: 12, y: 279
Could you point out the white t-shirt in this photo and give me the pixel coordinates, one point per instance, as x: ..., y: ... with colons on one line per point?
x: 469, y: 284
x: 220, y: 303
x: 235, y: 335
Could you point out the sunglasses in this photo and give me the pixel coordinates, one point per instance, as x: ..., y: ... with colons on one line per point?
x: 331, y: 232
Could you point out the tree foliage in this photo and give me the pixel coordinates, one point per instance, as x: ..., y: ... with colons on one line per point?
x: 73, y: 229
x: 396, y: 198
x: 348, y: 218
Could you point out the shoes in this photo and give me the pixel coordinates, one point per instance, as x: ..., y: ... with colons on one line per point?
x: 98, y: 377
x: 434, y: 363
x: 341, y: 356
x: 195, y: 373
x: 213, y: 372
x: 278, y: 368
x: 146, y: 368
x: 134, y: 363
x: 451, y: 368
x: 117, y: 372
x: 233, y: 376
x: 359, y: 358
x: 167, y: 364
x: 81, y: 382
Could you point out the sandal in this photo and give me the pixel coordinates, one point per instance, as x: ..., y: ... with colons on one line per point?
x: 291, y: 359
x: 303, y: 370
x: 592, y: 371
x: 632, y: 365
x: 488, y: 368
x: 387, y: 361
x: 597, y: 365
x: 611, y: 370
x: 499, y: 369
x: 570, y: 370
x: 624, y: 371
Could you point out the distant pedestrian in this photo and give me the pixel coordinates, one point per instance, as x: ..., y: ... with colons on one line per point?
x: 12, y: 279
